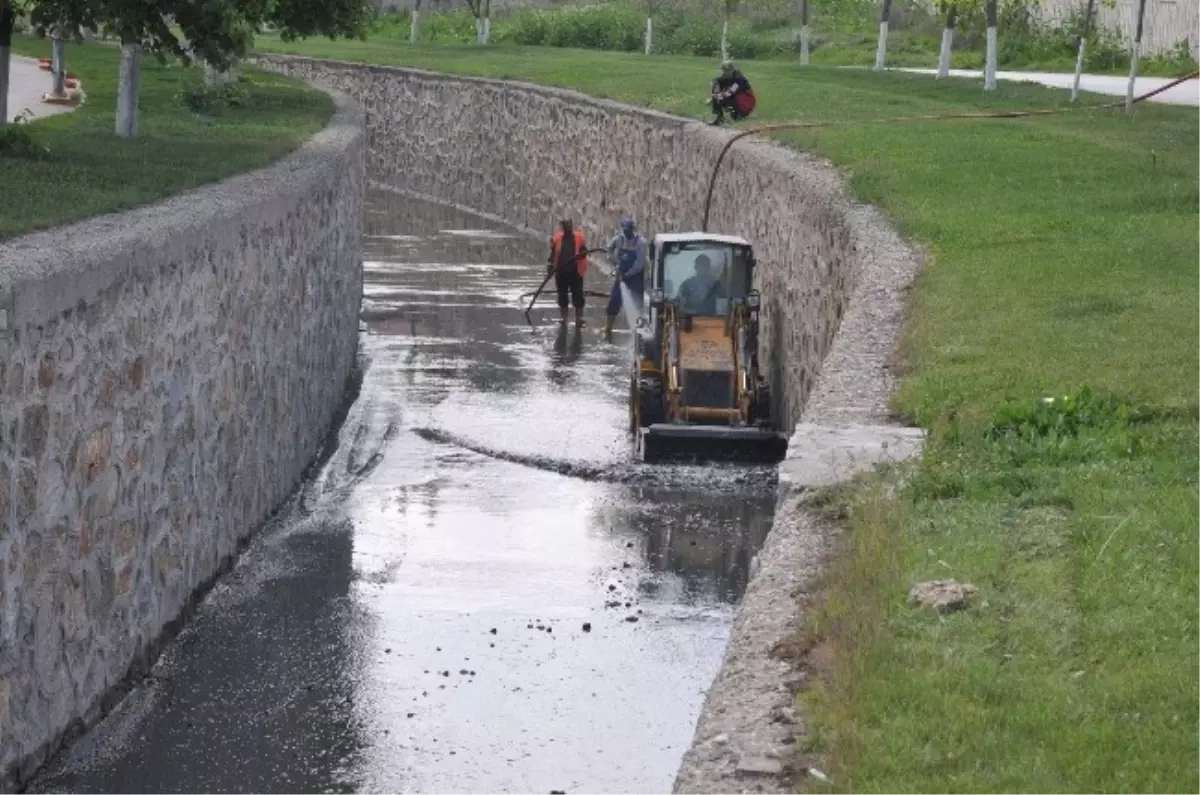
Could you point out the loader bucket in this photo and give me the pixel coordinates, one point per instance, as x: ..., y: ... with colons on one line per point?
x: 663, y: 443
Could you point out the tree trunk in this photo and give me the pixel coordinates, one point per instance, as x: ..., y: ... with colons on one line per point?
x: 1082, y: 47
x: 881, y: 50
x: 805, y: 35
x: 58, y: 63
x: 414, y: 29
x: 1135, y: 56
x: 725, y: 39
x: 989, y: 69
x: 127, y: 89
x: 7, y: 22
x: 947, y: 42
x: 649, y: 42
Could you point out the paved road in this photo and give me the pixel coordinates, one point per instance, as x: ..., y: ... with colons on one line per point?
x: 415, y: 622
x: 1184, y: 94
x: 26, y: 84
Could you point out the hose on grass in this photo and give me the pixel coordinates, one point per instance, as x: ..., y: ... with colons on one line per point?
x: 999, y: 114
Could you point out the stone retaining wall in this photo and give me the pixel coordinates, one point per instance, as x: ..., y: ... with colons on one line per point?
x: 166, y: 375
x: 530, y: 155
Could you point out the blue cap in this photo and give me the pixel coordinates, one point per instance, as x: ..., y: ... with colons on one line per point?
x: 627, y: 223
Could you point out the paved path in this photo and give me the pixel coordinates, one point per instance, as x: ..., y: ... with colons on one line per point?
x: 26, y: 84
x: 1183, y: 94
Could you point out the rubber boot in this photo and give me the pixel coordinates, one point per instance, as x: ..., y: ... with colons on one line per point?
x: 608, y: 327
x: 562, y: 315
x: 578, y: 317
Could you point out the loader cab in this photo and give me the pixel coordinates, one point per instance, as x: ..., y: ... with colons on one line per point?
x: 700, y: 273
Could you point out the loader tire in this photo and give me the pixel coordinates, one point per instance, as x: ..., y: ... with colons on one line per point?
x: 651, y: 408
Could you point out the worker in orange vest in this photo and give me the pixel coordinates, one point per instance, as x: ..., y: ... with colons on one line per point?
x: 568, y: 263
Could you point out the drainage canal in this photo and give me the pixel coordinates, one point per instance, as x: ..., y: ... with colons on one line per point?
x: 477, y: 592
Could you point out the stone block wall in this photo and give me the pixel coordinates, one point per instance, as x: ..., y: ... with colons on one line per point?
x: 166, y: 375
x: 530, y: 155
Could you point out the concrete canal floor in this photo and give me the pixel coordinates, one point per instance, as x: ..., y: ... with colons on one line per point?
x: 477, y: 592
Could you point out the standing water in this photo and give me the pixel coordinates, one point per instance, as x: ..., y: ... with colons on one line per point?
x: 478, y: 592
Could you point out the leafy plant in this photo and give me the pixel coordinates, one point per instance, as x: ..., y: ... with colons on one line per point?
x: 204, y: 98
x: 17, y: 142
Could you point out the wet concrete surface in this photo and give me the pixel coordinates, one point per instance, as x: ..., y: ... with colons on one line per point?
x: 478, y: 592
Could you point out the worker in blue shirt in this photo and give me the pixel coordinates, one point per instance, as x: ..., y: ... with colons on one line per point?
x: 628, y: 252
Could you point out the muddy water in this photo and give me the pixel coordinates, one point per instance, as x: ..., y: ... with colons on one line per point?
x: 479, y: 592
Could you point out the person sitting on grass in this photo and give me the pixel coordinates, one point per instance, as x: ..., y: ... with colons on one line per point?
x: 731, y: 92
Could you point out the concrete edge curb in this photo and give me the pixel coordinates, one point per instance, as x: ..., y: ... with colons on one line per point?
x: 45, y: 273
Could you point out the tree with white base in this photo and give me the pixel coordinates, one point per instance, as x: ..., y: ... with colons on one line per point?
x: 414, y: 28
x: 8, y: 21
x: 885, y: 17
x: 805, y: 34
x: 947, y: 41
x: 729, y: 6
x: 215, y: 31
x: 1135, y: 56
x: 1082, y: 46
x: 482, y: 11
x: 989, y: 67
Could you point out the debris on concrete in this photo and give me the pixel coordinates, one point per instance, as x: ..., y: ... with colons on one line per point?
x: 759, y: 766
x: 942, y: 596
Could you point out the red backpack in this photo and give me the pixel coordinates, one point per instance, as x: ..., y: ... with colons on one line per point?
x: 745, y: 101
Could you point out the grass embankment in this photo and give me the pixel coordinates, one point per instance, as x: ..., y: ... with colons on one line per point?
x: 88, y: 171
x: 1062, y: 258
x: 844, y: 33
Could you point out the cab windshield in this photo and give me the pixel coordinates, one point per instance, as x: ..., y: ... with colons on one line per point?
x: 702, y: 277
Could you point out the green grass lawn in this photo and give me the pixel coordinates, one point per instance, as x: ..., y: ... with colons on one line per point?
x: 1062, y: 261
x: 89, y: 171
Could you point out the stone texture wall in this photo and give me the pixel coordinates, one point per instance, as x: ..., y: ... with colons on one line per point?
x: 166, y: 375
x: 530, y: 154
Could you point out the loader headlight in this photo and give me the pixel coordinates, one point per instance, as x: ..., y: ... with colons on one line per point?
x: 752, y: 300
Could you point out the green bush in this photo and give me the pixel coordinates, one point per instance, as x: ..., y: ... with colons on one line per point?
x: 203, y: 98
x: 612, y: 26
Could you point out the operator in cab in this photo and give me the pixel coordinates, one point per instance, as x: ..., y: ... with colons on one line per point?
x: 699, y: 293
x: 731, y: 92
x: 628, y: 252
x: 568, y: 264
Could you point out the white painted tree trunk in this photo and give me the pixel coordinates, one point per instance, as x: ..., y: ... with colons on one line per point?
x: 58, y: 64
x: 1078, y: 68
x: 414, y: 29
x: 881, y: 49
x: 944, y: 56
x: 479, y: 30
x: 649, y: 41
x: 5, y: 60
x: 483, y: 30
x: 1133, y: 70
x: 725, y: 40
x: 805, y: 45
x: 989, y: 73
x: 128, y: 86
